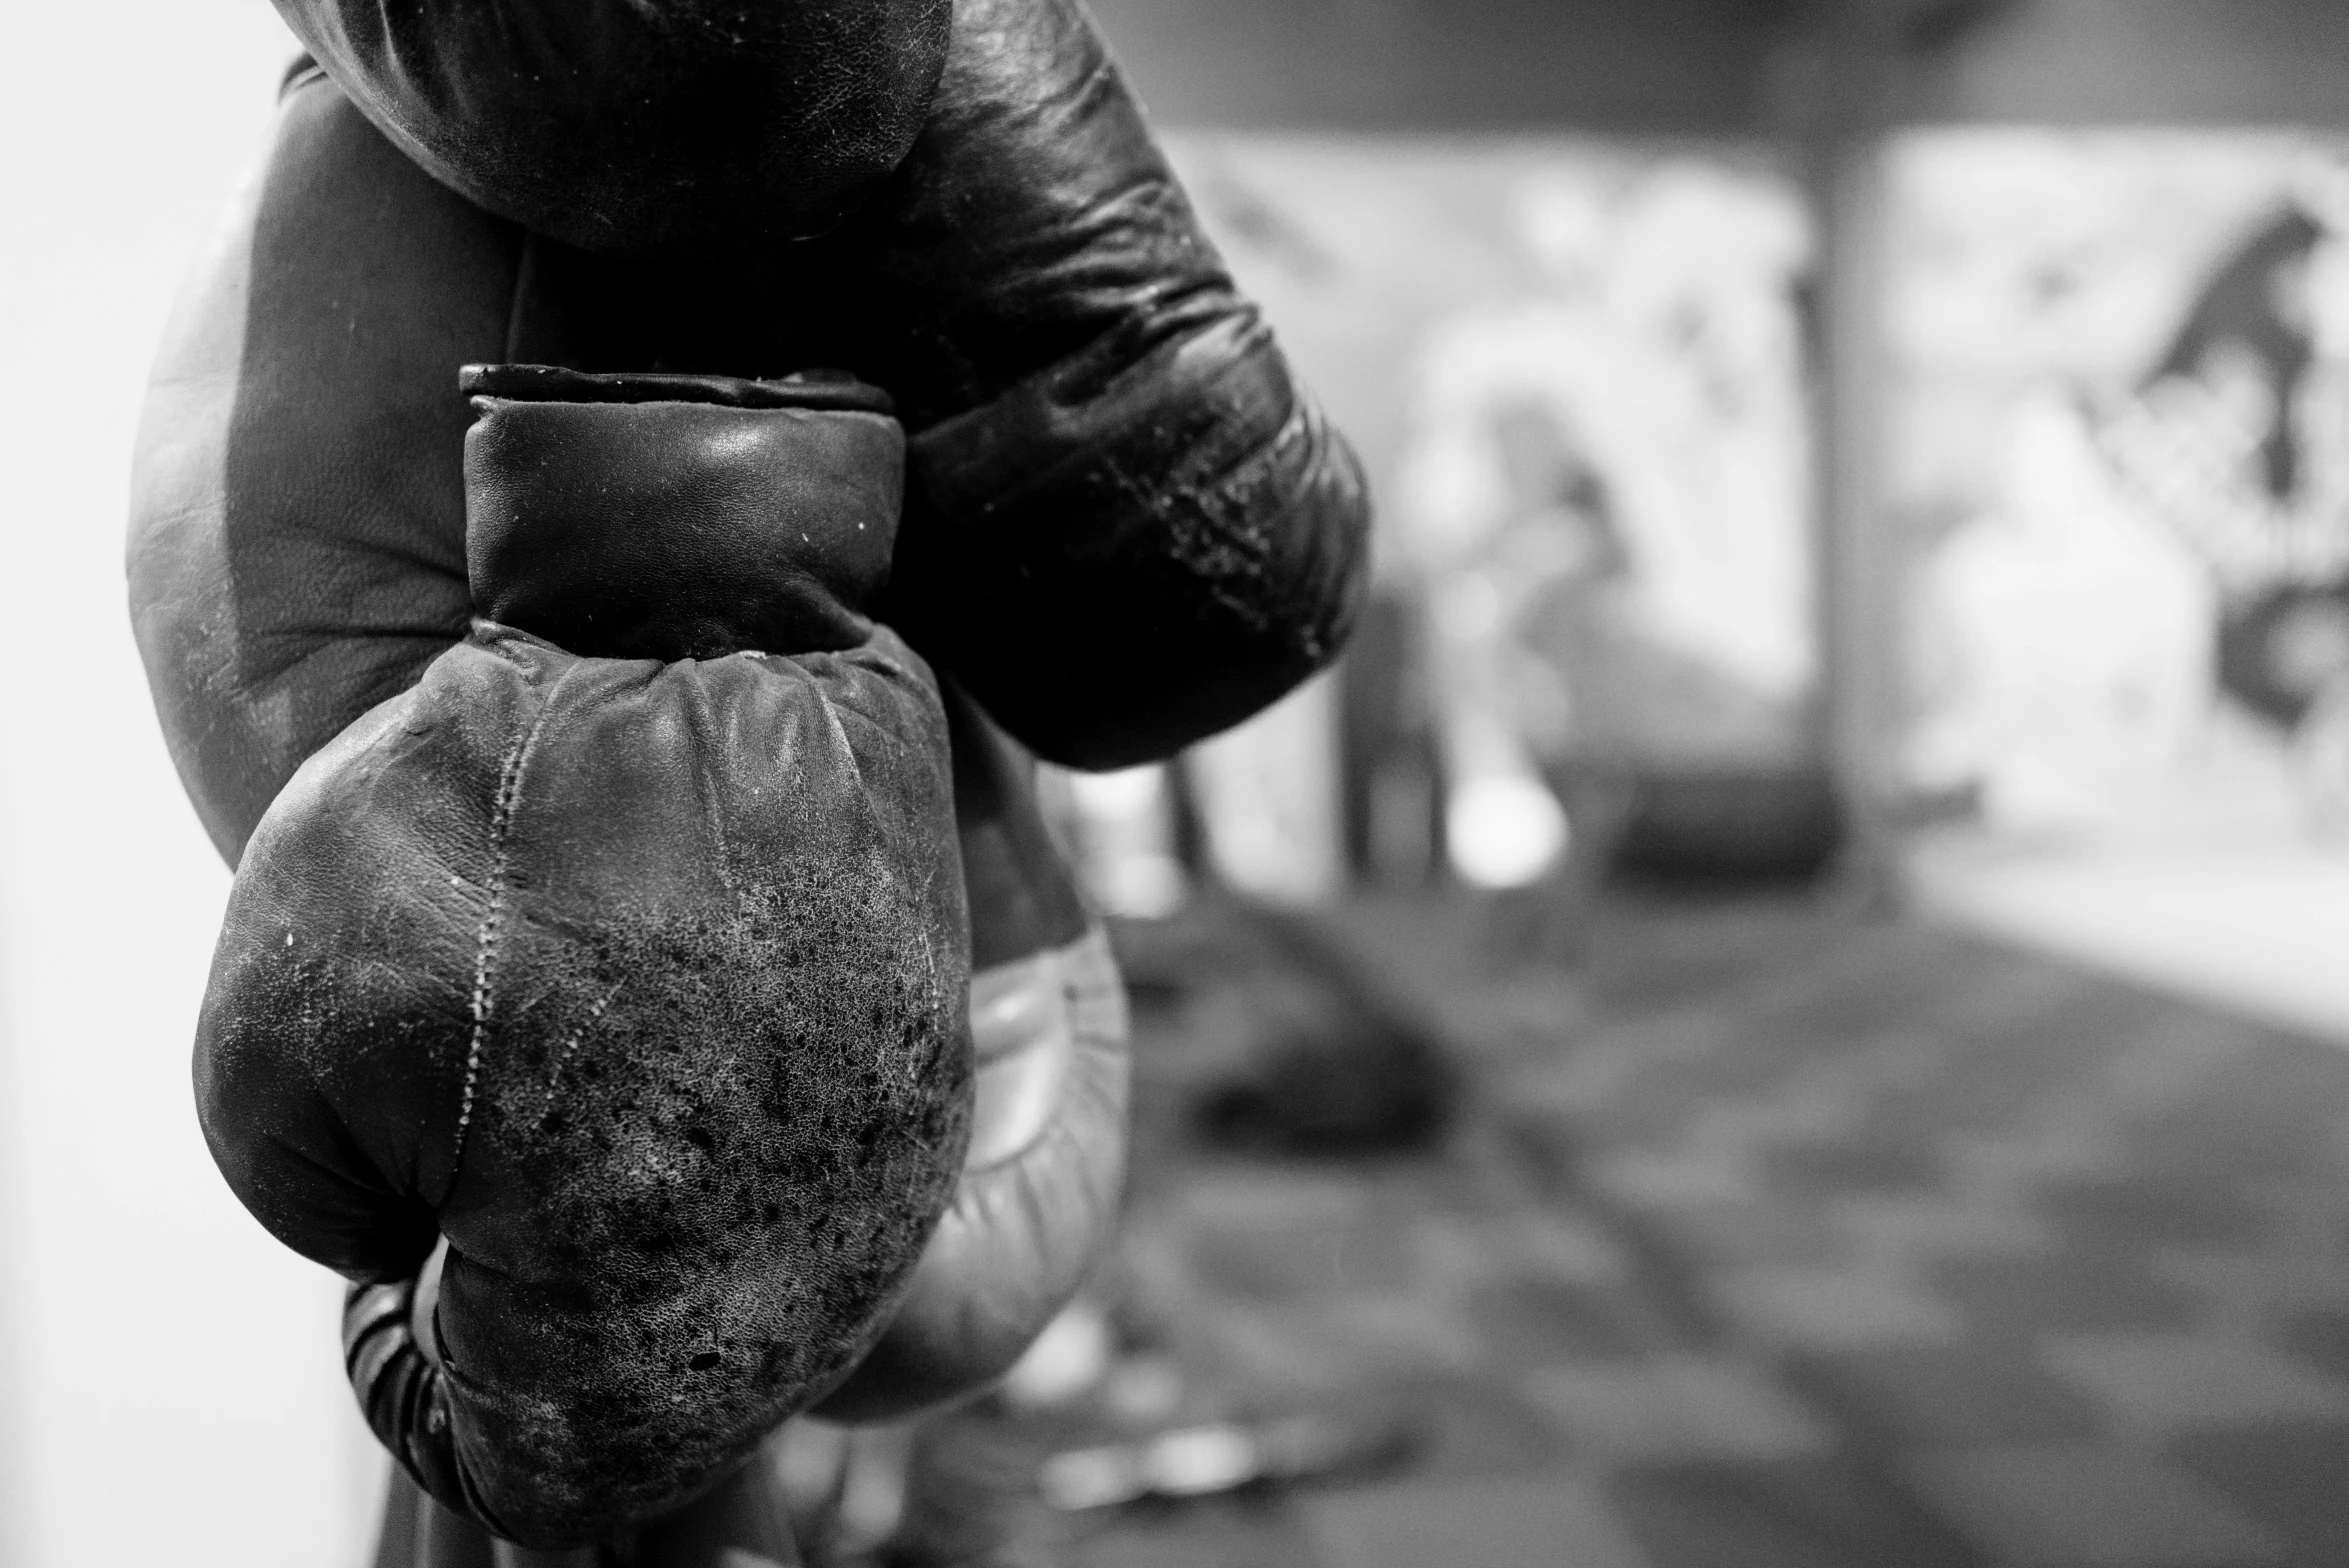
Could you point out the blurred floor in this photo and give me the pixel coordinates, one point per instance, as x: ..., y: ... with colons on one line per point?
x: 1770, y: 1240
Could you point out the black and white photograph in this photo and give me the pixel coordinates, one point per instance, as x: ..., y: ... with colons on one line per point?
x: 1175, y: 784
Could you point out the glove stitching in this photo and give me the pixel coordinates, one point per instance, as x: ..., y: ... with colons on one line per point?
x: 576, y: 1038
x: 501, y: 825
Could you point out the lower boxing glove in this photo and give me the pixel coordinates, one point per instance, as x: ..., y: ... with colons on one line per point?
x: 626, y: 951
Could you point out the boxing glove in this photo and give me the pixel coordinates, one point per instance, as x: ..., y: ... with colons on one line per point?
x: 1128, y: 524
x: 626, y: 951
x: 1029, y: 1218
x: 298, y: 555
x: 642, y: 126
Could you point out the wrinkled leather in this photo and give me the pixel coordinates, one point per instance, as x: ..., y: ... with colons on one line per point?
x: 1029, y: 1218
x: 642, y: 126
x: 643, y: 981
x: 1128, y: 524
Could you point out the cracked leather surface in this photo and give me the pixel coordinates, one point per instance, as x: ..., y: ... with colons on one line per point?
x: 636, y: 968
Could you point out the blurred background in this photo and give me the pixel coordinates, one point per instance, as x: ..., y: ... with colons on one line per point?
x: 1786, y: 1003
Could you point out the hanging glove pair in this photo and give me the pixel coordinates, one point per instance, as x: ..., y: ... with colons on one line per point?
x: 1125, y: 526
x: 623, y: 955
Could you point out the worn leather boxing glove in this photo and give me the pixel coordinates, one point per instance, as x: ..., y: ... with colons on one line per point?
x: 1030, y: 1216
x: 626, y: 951
x: 1128, y: 524
x: 298, y: 556
x: 642, y: 126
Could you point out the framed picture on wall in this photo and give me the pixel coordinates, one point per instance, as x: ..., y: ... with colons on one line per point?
x: 2117, y: 472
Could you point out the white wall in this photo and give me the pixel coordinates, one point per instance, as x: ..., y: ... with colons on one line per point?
x: 2142, y: 62
x: 169, y: 1386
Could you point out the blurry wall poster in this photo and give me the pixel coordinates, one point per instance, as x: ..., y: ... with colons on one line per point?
x: 2118, y: 471
x: 1573, y: 369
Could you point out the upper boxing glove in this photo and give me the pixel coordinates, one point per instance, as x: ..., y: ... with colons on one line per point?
x: 643, y: 126
x: 626, y: 951
x: 1128, y: 525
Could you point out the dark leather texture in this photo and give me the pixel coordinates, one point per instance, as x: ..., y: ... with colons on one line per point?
x: 642, y: 126
x: 1128, y: 525
x: 742, y: 1522
x: 644, y: 983
x: 680, y: 529
x: 1196, y: 528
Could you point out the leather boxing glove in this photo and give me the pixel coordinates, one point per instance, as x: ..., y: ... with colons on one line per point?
x: 632, y: 964
x: 1128, y: 525
x: 1029, y: 1218
x: 642, y: 126
x: 298, y: 555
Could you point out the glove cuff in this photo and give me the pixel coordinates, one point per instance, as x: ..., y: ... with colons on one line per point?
x: 672, y: 517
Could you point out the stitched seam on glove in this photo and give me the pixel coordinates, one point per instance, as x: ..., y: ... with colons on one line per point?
x: 501, y: 825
